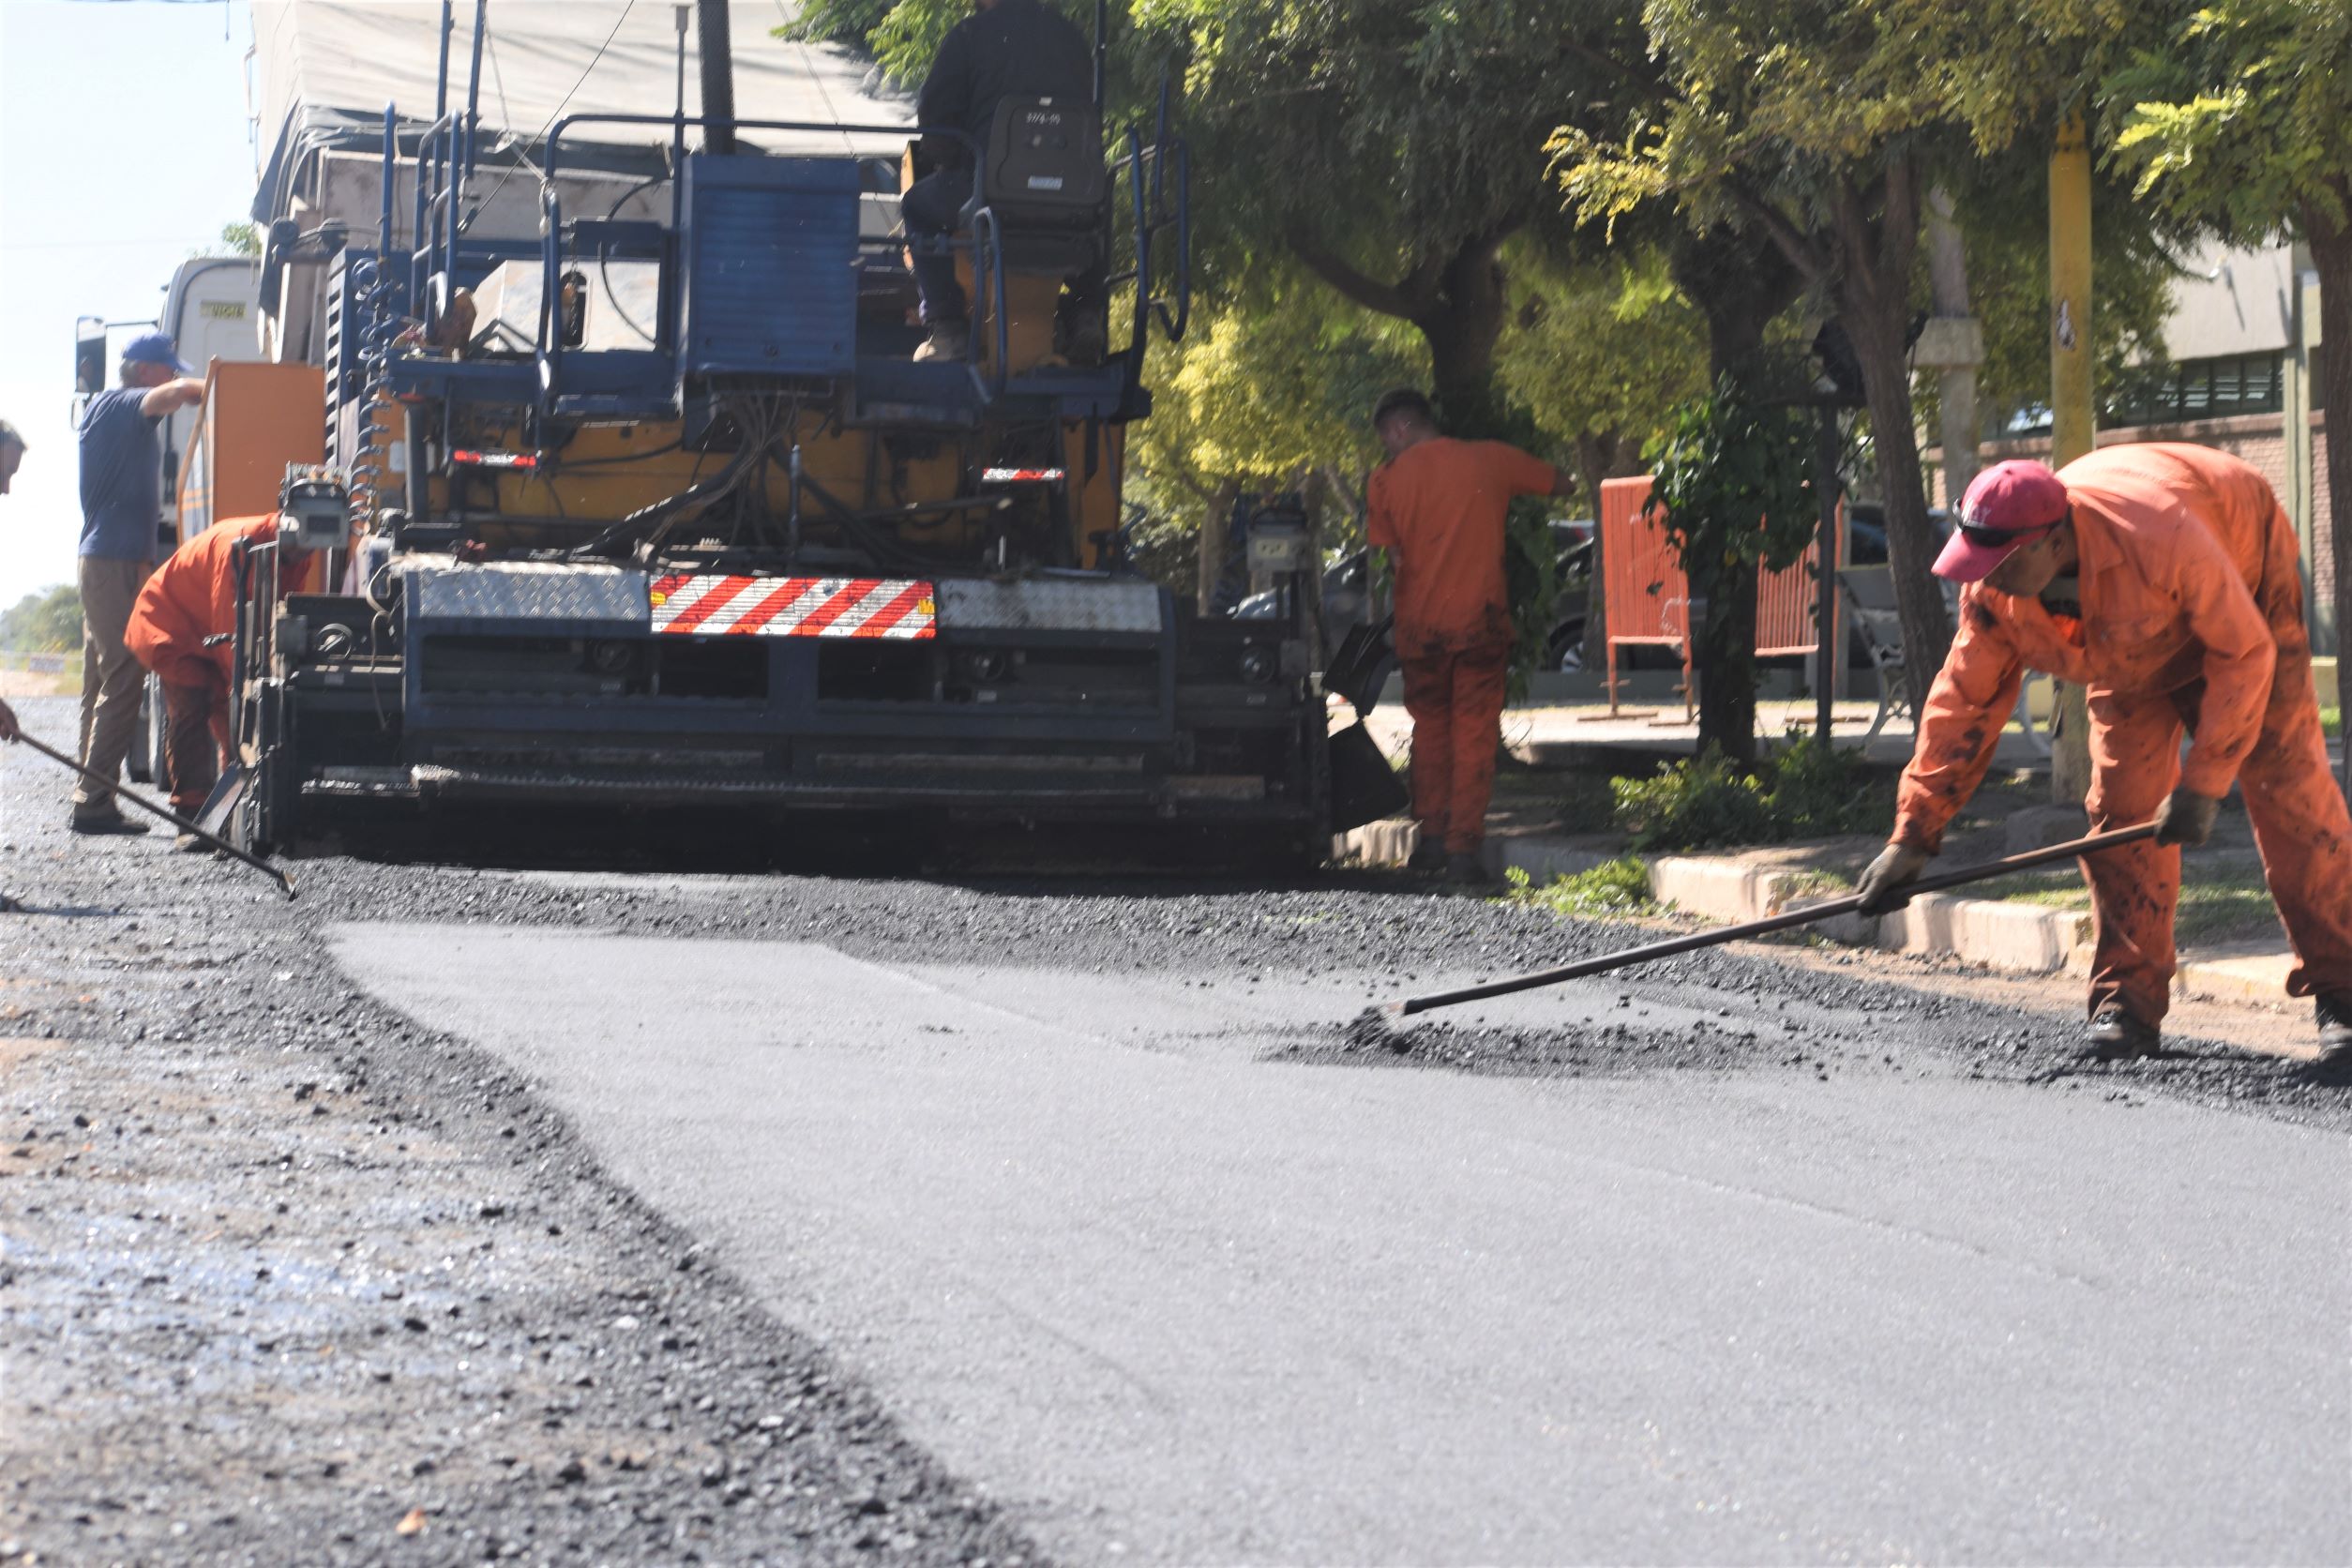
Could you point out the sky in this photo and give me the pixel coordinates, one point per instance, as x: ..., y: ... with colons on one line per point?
x: 123, y: 145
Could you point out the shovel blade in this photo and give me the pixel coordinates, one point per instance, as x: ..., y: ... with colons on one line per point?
x: 220, y: 807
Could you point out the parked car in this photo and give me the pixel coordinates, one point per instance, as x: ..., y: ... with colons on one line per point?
x: 1866, y: 532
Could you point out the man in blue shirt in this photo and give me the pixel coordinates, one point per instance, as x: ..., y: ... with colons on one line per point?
x: 122, y: 510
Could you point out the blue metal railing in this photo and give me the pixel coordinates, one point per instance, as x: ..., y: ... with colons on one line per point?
x: 447, y: 149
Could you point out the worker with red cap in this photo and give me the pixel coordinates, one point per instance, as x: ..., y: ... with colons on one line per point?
x: 2163, y: 578
x: 182, y: 628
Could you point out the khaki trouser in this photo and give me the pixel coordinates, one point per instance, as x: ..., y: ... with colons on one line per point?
x: 111, y: 678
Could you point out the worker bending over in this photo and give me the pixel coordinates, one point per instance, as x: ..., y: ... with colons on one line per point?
x: 1437, y: 505
x: 2163, y: 578
x: 182, y: 629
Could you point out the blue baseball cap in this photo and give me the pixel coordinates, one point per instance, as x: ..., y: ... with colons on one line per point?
x: 156, y: 348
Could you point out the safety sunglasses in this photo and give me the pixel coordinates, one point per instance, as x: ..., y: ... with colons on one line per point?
x: 1996, y: 539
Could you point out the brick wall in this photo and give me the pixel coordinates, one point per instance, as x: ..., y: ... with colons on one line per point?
x: 2258, y: 438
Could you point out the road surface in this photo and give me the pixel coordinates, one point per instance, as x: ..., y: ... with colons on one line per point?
x: 1177, y: 1299
x: 452, y: 1214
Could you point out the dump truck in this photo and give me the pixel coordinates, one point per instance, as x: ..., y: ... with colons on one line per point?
x: 654, y: 507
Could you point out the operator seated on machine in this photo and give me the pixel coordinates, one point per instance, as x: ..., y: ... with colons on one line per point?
x: 183, y: 629
x: 1006, y: 49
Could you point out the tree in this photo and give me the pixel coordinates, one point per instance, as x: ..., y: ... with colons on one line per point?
x: 43, y: 622
x: 1822, y: 123
x: 2243, y: 119
x: 1600, y: 353
x: 1736, y: 499
x: 2001, y: 205
x: 1808, y: 124
x: 1272, y: 392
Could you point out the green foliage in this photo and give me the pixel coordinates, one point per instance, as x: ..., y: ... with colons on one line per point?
x: 2003, y: 211
x: 48, y: 622
x: 1809, y: 790
x: 1603, y: 350
x: 1733, y: 478
x: 2243, y: 115
x: 1818, y: 790
x: 1619, y: 887
x: 1692, y: 804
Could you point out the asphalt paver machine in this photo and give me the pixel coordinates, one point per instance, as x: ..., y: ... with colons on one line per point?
x: 654, y: 506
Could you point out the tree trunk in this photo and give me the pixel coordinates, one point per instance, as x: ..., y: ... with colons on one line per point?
x: 1462, y: 328
x: 1874, y: 306
x: 1740, y: 281
x: 1723, y: 617
x: 2330, y: 242
x: 1211, y: 566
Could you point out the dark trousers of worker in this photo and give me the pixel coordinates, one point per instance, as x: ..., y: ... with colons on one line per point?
x: 933, y: 208
x: 2300, y: 827
x: 110, y: 677
x: 195, y: 735
x: 1455, y: 700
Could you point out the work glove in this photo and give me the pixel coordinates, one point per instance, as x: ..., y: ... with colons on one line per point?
x: 2186, y: 818
x: 1884, y: 879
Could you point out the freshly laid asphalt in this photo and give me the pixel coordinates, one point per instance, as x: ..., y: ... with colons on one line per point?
x: 632, y: 1215
x: 1172, y: 1282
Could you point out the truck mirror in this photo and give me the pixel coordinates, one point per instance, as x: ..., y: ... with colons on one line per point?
x: 89, y: 355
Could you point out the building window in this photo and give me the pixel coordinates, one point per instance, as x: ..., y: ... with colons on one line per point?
x: 2206, y: 389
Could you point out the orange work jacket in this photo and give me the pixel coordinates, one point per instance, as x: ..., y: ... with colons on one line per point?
x: 2174, y: 541
x: 1440, y: 507
x: 192, y: 597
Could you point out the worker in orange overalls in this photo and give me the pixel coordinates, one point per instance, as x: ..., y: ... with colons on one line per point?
x: 1437, y: 506
x: 2163, y: 578
x: 182, y: 627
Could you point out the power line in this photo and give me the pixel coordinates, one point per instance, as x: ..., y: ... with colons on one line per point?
x: 562, y: 104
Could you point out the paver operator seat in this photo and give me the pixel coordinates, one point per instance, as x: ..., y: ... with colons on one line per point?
x: 1043, y: 180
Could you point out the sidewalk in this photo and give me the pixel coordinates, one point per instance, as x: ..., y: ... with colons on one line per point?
x: 1582, y: 736
x: 1736, y: 886
x: 2008, y: 934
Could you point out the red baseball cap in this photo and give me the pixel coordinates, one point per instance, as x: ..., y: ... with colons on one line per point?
x: 2019, y: 498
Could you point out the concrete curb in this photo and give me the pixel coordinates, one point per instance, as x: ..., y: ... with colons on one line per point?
x: 2013, y: 937
x: 2023, y: 939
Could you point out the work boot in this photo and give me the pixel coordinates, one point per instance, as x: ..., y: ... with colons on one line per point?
x: 2113, y: 1034
x: 2334, y: 1009
x: 105, y: 820
x: 1464, y: 868
x: 948, y: 340
x: 1428, y: 854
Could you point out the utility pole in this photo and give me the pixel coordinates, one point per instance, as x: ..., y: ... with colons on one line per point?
x: 2072, y: 414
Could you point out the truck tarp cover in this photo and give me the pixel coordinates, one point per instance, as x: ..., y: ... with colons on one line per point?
x: 325, y: 69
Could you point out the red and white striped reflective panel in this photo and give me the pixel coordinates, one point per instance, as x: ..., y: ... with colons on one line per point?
x: 714, y: 606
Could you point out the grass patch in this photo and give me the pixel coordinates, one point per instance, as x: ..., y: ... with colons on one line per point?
x: 2230, y: 901
x: 1620, y: 886
x: 1818, y: 882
